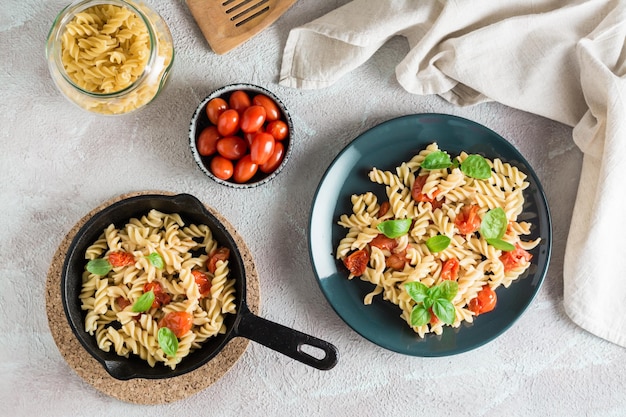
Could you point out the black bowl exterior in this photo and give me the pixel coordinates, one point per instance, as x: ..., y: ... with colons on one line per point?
x: 200, y: 120
x: 191, y: 211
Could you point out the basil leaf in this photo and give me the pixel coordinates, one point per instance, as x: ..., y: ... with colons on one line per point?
x: 444, y: 310
x: 395, y: 228
x: 493, y: 224
x: 419, y: 315
x: 476, y: 166
x: 501, y: 244
x: 416, y: 290
x: 167, y: 341
x: 448, y: 289
x: 156, y: 260
x: 437, y: 243
x: 99, y: 266
x: 436, y: 160
x: 144, y: 302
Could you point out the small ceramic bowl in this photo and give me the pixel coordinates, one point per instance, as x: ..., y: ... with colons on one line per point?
x: 200, y: 121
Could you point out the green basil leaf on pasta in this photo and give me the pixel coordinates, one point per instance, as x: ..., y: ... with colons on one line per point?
x: 476, y: 166
x: 436, y: 160
x: 419, y: 315
x: 144, y: 302
x: 501, y: 244
x: 438, y: 243
x: 493, y: 224
x: 448, y: 289
x: 416, y: 290
x: 395, y: 228
x: 156, y: 260
x: 99, y: 266
x: 444, y: 310
x: 167, y: 341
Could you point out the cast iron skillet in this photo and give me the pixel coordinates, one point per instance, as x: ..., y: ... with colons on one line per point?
x: 242, y: 324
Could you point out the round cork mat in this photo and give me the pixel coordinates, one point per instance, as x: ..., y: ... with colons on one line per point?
x: 138, y: 390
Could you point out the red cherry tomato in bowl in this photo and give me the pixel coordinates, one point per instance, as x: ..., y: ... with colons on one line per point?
x: 278, y: 129
x: 271, y: 109
x: 207, y: 141
x: 274, y: 160
x: 228, y: 122
x: 232, y: 147
x: 252, y: 119
x: 214, y: 108
x: 244, y: 169
x: 221, y: 167
x: 239, y: 100
x: 262, y: 148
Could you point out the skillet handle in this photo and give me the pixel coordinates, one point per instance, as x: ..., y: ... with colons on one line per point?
x: 287, y: 341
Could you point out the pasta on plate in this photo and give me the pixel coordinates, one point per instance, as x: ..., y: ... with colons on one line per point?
x: 183, y: 267
x: 441, y: 204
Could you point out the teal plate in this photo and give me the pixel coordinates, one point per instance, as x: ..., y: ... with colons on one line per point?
x: 386, y: 146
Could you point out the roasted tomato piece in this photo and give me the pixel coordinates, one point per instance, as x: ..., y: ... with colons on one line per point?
x: 179, y: 322
x: 357, y: 261
x: 220, y: 254
x: 484, y: 302
x: 515, y: 258
x: 468, y: 221
x: 450, y: 269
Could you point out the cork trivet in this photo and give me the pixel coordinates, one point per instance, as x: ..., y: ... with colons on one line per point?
x: 138, y: 390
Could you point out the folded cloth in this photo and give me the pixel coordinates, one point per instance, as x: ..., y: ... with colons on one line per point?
x: 564, y: 60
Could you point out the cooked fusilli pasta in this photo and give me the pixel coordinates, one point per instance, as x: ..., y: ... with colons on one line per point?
x: 109, y: 298
x: 437, y: 200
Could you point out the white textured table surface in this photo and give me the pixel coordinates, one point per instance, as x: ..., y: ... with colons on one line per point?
x: 59, y: 162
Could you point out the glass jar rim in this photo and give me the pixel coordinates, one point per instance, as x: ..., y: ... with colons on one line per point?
x: 65, y: 16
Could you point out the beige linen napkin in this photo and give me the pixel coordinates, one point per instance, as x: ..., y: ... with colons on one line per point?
x: 564, y: 60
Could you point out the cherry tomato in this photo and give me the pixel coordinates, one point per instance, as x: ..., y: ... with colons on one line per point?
x: 357, y: 262
x: 202, y: 281
x: 278, y: 129
x: 484, y: 302
x: 207, y: 141
x: 121, y: 258
x: 219, y: 254
x: 161, y: 298
x: 252, y: 119
x: 232, y: 147
x: 450, y: 269
x: 274, y: 161
x: 122, y: 302
x: 273, y: 113
x: 245, y: 169
x: 179, y: 322
x: 214, y: 108
x: 221, y: 167
x: 468, y: 221
x: 396, y: 261
x: 383, y: 242
x: 384, y: 208
x: 228, y: 122
x: 262, y: 147
x: 419, y: 197
x: 239, y: 100
x: 515, y: 258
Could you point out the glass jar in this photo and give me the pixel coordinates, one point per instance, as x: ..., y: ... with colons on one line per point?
x: 109, y: 56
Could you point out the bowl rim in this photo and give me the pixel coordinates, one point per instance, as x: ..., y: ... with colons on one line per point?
x: 194, y: 131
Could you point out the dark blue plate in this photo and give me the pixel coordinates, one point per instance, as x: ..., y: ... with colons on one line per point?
x: 386, y: 146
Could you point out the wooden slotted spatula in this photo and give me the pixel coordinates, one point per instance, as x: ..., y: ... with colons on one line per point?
x: 227, y: 24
